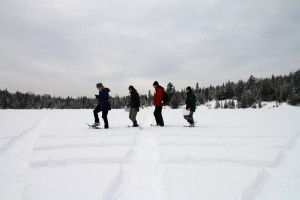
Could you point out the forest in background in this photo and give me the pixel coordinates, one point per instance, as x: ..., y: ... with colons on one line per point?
x: 247, y: 94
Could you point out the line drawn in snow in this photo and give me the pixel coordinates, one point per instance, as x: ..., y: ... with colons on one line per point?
x: 255, y: 188
x: 73, y: 146
x: 142, y: 172
x: 15, y: 159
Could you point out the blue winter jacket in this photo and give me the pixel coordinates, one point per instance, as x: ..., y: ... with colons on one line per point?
x: 103, y: 100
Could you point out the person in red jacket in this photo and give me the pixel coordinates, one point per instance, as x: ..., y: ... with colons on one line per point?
x: 158, y: 102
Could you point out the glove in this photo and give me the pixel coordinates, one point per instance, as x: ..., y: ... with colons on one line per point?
x: 97, y: 96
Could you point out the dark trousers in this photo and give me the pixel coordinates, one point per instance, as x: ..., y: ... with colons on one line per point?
x: 133, y: 114
x: 158, y: 116
x: 190, y: 118
x: 104, y: 116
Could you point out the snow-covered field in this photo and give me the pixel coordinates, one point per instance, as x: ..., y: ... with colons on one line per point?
x: 239, y: 154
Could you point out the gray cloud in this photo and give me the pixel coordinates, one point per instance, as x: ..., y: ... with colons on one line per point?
x: 65, y: 47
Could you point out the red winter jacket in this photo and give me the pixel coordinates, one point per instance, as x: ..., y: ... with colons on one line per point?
x: 158, y: 96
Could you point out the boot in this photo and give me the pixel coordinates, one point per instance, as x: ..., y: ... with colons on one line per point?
x: 192, y: 123
x: 135, y: 124
x: 96, y: 124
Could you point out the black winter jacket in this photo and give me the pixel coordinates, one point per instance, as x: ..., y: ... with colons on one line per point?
x: 134, y: 99
x: 191, y: 101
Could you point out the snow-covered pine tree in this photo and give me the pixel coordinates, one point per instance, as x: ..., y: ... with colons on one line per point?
x: 260, y: 105
x: 175, y: 101
x: 232, y: 104
x: 170, y: 91
x: 225, y: 104
x: 217, y: 105
x: 296, y: 81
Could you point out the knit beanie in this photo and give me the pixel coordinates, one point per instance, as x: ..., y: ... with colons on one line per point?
x: 155, y: 83
x: 99, y: 85
x: 131, y: 87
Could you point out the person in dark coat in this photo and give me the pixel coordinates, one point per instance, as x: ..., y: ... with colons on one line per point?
x: 103, y: 105
x: 190, y: 105
x: 158, y: 102
x: 134, y: 105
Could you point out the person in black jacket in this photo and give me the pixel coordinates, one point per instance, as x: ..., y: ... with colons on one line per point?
x: 134, y: 105
x: 103, y: 105
x: 190, y: 105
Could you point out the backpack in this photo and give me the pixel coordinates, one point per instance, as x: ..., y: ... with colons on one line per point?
x: 165, y: 97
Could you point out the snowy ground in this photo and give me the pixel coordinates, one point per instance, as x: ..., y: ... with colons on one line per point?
x: 231, y: 155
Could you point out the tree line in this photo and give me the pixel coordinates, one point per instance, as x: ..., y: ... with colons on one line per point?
x: 246, y: 93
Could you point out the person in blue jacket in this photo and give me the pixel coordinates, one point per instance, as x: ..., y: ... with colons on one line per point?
x: 103, y: 105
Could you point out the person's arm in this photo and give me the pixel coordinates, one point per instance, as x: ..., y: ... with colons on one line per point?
x: 104, y: 96
x: 188, y: 102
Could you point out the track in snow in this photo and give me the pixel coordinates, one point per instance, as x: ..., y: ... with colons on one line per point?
x: 15, y: 162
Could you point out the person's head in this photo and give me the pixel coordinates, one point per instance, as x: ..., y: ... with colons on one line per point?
x: 155, y: 84
x: 131, y: 88
x: 100, y: 86
x: 188, y: 89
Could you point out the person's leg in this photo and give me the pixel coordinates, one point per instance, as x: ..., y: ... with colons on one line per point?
x: 96, y: 111
x: 104, y: 117
x: 159, y: 115
x: 186, y: 117
x: 130, y: 115
x: 134, y: 113
x: 191, y: 118
x: 156, y: 115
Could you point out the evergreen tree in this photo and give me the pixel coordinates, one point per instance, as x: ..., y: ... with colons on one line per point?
x: 296, y: 88
x: 229, y: 90
x: 225, y: 104
x: 239, y: 89
x: 232, y: 104
x: 175, y: 101
x: 217, y: 105
x: 292, y: 98
x: 244, y: 101
x: 170, y: 90
x: 197, y: 90
x: 267, y: 91
x: 150, y: 99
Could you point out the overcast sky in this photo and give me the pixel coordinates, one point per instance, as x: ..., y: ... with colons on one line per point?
x: 64, y: 47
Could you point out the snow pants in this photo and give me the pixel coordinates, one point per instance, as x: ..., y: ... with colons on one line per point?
x: 104, y: 116
x: 190, y: 117
x: 158, y: 116
x: 132, y: 114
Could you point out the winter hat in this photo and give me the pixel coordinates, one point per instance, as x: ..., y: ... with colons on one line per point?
x: 155, y: 83
x: 131, y: 88
x: 189, y: 88
x: 99, y: 85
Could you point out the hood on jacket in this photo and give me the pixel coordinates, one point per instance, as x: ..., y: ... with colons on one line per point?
x: 132, y: 88
x: 160, y: 87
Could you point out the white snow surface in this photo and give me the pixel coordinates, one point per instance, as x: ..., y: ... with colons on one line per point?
x: 240, y: 154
